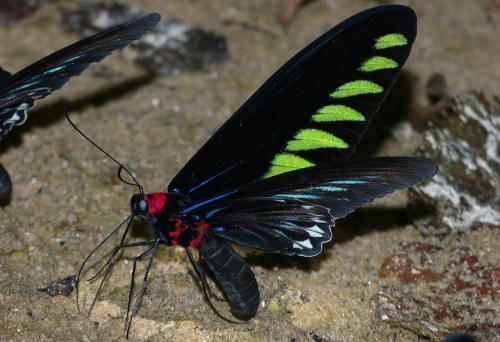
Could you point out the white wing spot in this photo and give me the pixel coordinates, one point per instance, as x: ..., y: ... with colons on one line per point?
x: 302, y: 244
x: 13, y: 119
x: 23, y: 106
x: 314, y: 231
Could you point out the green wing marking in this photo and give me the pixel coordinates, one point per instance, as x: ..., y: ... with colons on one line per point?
x: 378, y: 63
x: 354, y: 88
x: 310, y: 138
x: 286, y: 162
x: 390, y: 40
x: 337, y: 113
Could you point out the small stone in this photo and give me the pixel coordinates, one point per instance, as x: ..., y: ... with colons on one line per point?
x: 273, y: 306
x: 62, y: 287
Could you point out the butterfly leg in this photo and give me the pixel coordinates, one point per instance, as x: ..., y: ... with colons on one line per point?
x: 152, y: 253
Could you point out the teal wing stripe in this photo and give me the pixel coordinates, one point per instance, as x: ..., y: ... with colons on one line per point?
x: 53, y: 70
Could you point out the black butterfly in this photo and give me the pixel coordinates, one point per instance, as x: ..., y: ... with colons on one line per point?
x: 277, y: 175
x: 18, y: 92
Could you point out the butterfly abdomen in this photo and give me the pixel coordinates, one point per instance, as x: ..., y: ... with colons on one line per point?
x: 233, y: 274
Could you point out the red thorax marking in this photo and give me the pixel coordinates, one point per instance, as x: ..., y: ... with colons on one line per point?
x: 156, y: 202
x: 195, y: 235
x: 179, y: 227
x: 202, y: 226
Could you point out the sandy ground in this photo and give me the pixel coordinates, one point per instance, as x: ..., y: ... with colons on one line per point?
x: 65, y: 200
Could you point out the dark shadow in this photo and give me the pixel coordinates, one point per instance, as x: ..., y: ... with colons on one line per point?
x: 140, y: 229
x: 395, y: 109
x: 46, y: 115
x: 272, y: 260
x: 363, y: 221
x: 367, y: 220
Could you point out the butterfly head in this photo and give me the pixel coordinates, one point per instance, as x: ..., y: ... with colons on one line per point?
x: 148, y: 205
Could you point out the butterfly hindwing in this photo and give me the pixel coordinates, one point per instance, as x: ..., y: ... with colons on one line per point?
x: 293, y: 213
x: 312, y: 111
x: 19, y: 91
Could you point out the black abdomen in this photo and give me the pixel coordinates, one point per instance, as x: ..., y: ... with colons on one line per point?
x: 234, y: 276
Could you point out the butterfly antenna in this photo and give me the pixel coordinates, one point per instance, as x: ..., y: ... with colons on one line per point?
x: 121, y: 166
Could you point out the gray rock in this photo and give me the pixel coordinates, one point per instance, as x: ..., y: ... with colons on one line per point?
x: 465, y: 194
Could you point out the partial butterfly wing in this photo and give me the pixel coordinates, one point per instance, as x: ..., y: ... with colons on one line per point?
x: 19, y: 91
x: 293, y: 213
x: 5, y: 186
x: 312, y: 111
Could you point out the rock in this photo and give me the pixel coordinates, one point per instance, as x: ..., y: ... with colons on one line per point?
x: 11, y: 11
x: 436, y: 290
x: 464, y: 142
x: 172, y: 47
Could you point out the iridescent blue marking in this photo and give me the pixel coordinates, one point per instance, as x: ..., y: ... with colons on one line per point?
x: 36, y: 78
x: 297, y: 196
x: 347, y: 182
x: 213, y: 212
x: 22, y: 87
x: 69, y: 60
x: 200, y: 204
x: 330, y: 188
x: 277, y: 231
x: 219, y: 229
x: 51, y: 71
x: 213, y: 177
x: 289, y: 224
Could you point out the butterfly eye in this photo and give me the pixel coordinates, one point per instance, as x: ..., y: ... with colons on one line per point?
x: 143, y: 205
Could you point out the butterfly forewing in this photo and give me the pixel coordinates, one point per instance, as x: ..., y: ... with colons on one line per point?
x: 19, y: 91
x: 312, y: 111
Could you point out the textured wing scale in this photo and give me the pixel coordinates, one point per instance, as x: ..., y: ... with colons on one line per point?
x: 293, y: 213
x: 287, y: 226
x: 19, y: 92
x: 312, y: 111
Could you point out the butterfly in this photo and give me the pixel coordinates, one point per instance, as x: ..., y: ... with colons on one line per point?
x: 277, y: 175
x: 18, y: 92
